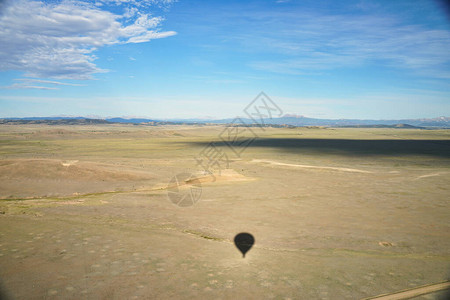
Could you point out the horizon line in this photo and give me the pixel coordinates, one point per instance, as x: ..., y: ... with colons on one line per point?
x: 214, y: 119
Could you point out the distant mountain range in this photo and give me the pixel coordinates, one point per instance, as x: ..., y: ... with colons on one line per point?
x: 305, y: 121
x: 286, y: 120
x: 54, y: 121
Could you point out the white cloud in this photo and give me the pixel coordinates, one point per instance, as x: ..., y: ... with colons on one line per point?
x: 58, y: 39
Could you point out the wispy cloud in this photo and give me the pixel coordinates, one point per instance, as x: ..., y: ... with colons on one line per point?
x: 308, y: 42
x: 138, y: 3
x: 27, y: 86
x: 27, y: 80
x: 58, y: 39
x: 29, y: 83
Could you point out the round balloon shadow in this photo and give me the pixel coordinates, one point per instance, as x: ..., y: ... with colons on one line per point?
x: 244, y: 241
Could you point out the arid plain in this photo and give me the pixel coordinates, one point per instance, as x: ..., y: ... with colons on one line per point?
x: 337, y: 213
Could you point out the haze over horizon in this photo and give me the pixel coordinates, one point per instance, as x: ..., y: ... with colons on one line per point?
x: 206, y: 118
x: 166, y: 59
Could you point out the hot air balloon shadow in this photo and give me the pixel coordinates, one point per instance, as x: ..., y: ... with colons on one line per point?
x: 244, y: 241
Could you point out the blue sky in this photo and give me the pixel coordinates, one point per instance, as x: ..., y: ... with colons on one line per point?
x: 198, y: 59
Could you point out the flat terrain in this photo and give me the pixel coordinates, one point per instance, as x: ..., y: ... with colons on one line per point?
x: 336, y: 213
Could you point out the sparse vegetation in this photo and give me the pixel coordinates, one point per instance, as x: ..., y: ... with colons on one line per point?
x: 361, y: 211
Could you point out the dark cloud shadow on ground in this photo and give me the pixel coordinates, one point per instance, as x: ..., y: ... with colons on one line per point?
x: 438, y: 148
